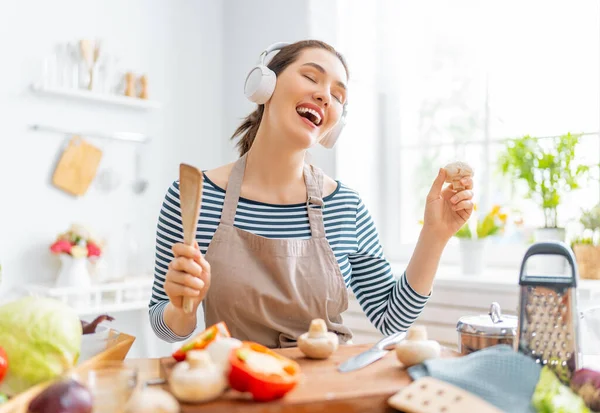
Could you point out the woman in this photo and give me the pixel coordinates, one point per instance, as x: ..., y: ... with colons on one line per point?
x: 279, y: 243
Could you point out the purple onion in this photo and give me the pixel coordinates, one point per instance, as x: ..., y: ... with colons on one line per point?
x: 586, y: 383
x: 65, y: 396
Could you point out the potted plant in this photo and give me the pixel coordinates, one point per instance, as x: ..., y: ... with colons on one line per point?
x: 473, y: 236
x: 75, y: 248
x: 548, y: 168
x: 586, y: 247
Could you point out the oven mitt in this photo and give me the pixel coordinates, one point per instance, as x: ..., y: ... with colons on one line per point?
x: 498, y: 374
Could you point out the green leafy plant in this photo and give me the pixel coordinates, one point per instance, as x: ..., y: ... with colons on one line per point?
x: 549, y: 170
x: 491, y: 224
x: 590, y: 220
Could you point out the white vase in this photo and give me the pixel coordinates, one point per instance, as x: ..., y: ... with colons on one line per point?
x: 472, y: 256
x: 74, y: 273
x: 547, y: 264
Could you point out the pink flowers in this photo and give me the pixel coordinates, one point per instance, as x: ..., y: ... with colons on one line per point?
x: 77, y: 242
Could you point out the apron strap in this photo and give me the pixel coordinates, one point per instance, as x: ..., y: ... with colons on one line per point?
x: 232, y: 194
x: 313, y: 177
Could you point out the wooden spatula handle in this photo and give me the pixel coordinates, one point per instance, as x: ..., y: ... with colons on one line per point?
x: 190, y: 198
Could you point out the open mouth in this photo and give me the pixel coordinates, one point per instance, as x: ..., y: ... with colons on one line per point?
x: 310, y: 114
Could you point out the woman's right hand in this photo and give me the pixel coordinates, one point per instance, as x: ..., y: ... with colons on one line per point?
x: 188, y: 276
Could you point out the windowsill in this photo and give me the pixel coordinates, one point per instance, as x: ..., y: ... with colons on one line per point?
x: 498, y: 278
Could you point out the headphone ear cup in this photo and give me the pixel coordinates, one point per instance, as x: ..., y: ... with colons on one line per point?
x: 331, y: 138
x: 260, y: 84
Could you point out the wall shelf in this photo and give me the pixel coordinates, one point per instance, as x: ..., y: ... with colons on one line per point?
x: 112, y: 297
x: 90, y: 96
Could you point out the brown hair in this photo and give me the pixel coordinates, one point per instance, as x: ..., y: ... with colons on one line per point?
x: 282, y: 59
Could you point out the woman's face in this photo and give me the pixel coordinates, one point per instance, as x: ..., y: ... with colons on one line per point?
x: 308, y: 98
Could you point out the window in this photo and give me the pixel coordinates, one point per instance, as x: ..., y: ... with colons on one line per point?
x: 439, y: 81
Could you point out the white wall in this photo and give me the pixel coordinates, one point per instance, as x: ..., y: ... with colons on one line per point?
x: 178, y: 44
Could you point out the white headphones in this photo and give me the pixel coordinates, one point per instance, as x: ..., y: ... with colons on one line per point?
x: 260, y: 84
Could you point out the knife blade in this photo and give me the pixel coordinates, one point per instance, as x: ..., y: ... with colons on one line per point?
x: 380, y: 349
x: 361, y: 360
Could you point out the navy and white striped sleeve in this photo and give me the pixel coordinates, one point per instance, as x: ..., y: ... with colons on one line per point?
x: 391, y: 305
x: 169, y: 231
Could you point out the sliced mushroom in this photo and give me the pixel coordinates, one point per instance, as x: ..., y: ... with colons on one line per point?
x: 318, y: 343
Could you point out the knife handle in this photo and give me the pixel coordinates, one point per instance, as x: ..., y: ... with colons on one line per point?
x: 389, y: 342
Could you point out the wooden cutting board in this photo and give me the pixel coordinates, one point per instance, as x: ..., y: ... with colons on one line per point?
x: 77, y: 167
x: 322, y: 389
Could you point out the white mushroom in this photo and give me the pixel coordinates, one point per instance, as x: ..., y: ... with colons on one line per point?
x: 152, y: 400
x: 318, y: 343
x: 456, y: 171
x: 219, y: 351
x: 415, y: 349
x: 197, y: 379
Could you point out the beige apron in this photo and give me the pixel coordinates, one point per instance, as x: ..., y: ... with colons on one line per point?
x: 268, y: 290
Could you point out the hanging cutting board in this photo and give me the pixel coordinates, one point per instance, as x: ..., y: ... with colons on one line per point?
x: 77, y: 167
x: 322, y: 389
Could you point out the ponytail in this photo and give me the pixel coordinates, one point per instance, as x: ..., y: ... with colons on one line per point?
x: 248, y: 129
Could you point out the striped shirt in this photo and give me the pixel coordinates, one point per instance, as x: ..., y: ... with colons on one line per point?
x: 391, y: 305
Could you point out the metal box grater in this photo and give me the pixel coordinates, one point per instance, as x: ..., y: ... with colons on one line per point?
x: 548, y: 326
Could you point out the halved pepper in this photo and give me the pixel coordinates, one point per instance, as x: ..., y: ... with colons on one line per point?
x: 262, y: 372
x: 202, y: 340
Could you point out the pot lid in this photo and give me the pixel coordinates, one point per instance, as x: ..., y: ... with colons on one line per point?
x: 494, y: 323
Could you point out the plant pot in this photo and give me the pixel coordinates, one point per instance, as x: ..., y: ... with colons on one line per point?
x: 472, y: 256
x: 549, y: 264
x: 588, y: 261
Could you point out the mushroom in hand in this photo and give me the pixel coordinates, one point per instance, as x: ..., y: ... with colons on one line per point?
x: 416, y: 348
x: 318, y: 343
x: 455, y: 172
x: 197, y: 379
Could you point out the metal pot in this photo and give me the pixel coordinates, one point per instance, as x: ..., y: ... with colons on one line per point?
x: 486, y: 330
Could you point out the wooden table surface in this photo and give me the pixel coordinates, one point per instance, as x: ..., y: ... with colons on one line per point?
x: 322, y: 389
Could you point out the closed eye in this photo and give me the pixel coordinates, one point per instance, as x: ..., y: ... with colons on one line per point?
x: 310, y: 78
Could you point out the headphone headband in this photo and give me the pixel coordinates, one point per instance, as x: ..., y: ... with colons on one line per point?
x: 272, y: 48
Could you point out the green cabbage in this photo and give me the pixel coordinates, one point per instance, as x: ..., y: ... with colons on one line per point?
x: 42, y: 339
x: 551, y: 396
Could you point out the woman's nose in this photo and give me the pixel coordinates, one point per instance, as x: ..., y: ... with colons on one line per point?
x: 322, y: 97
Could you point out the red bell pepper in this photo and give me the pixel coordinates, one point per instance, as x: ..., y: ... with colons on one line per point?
x: 246, y: 376
x: 202, y: 340
x: 3, y: 363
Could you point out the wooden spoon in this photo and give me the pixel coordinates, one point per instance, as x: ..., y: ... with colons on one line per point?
x: 190, y: 198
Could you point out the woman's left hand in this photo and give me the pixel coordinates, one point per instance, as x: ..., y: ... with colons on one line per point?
x: 447, y: 210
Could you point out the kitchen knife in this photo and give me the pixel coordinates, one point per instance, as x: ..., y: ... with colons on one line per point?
x: 373, y: 354
x: 190, y: 198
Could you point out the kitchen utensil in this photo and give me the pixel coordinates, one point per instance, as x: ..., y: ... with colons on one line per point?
x: 548, y: 318
x: 429, y: 395
x: 323, y: 388
x: 77, y: 166
x: 486, y: 330
x: 373, y: 354
x: 139, y: 183
x: 190, y: 198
